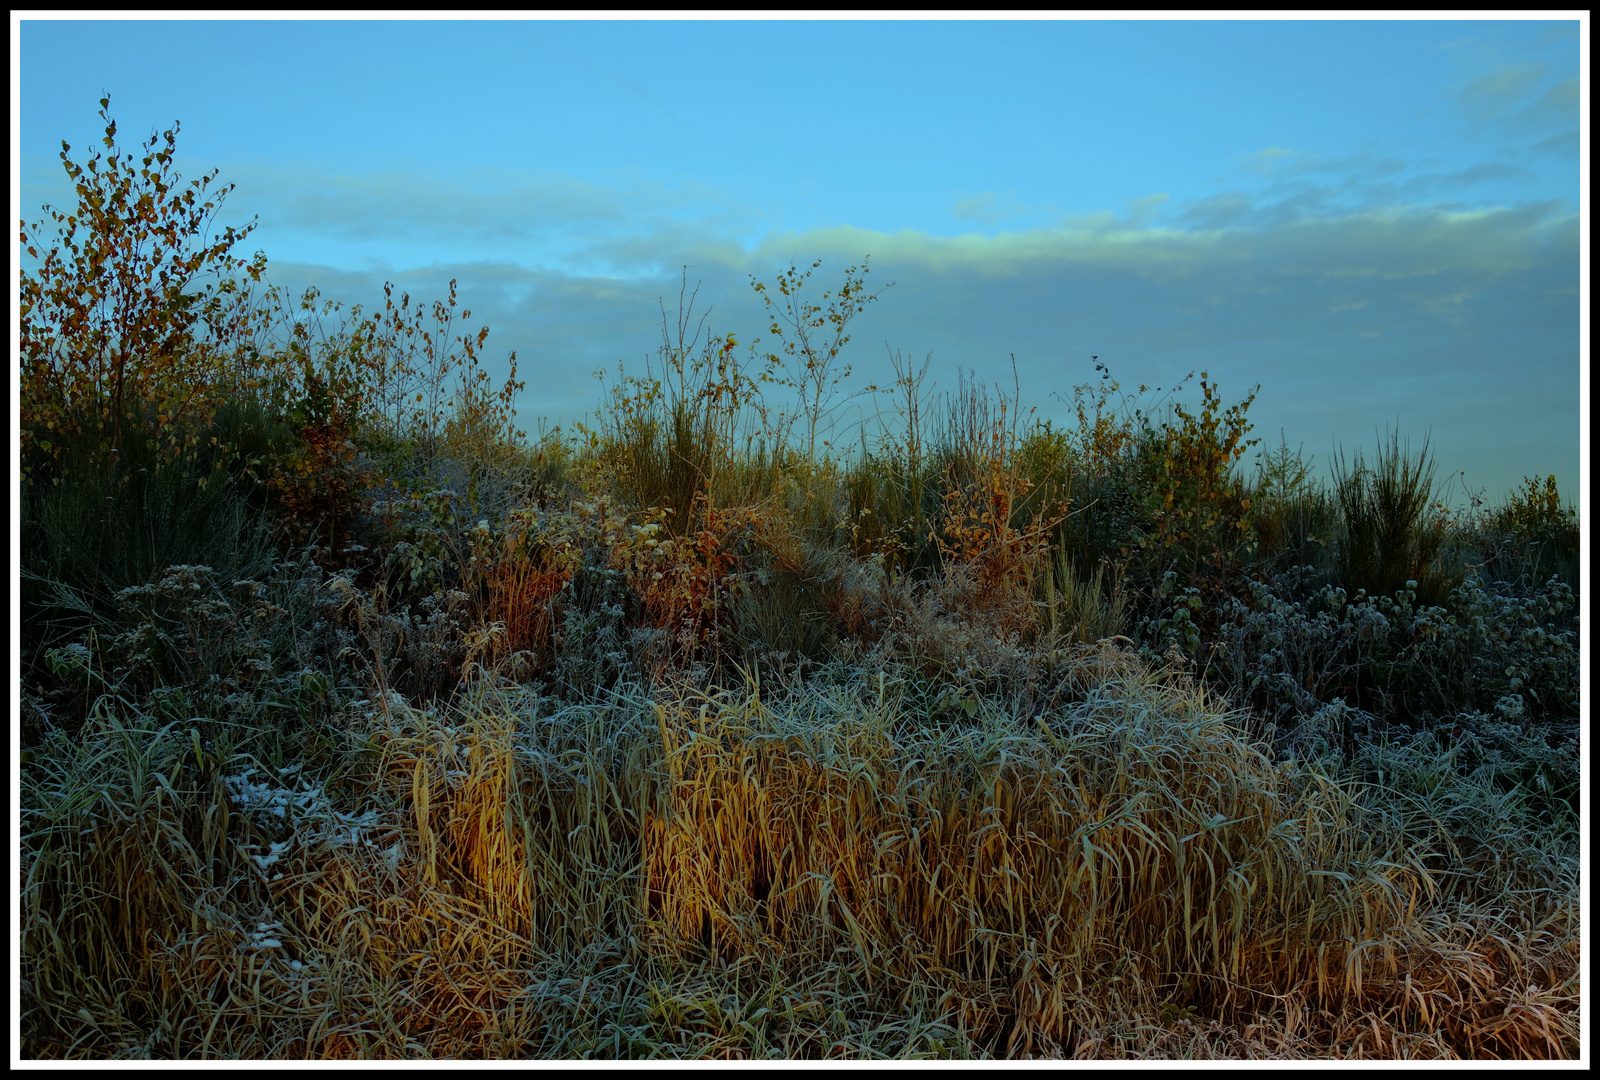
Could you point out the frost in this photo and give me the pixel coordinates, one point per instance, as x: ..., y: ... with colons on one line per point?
x: 262, y: 937
x: 309, y: 805
x: 271, y: 856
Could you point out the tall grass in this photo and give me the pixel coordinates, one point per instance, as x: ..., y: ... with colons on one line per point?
x: 1392, y: 530
x: 94, y: 532
x: 820, y: 874
x: 690, y: 433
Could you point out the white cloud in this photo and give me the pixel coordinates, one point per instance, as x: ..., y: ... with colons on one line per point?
x: 1142, y: 211
x: 1265, y: 161
x: 1495, y: 93
x: 990, y: 207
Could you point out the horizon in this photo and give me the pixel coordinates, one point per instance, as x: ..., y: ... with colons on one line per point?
x: 1377, y: 221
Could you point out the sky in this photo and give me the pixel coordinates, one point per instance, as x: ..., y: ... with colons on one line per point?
x: 1377, y: 222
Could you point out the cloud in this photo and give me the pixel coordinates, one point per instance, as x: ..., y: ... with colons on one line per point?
x: 1485, y: 172
x: 1264, y: 161
x: 1308, y: 186
x: 1217, y: 211
x: 1142, y: 211
x: 1518, y: 102
x: 1565, y: 144
x: 1496, y: 93
x: 494, y: 213
x: 990, y: 207
x: 1556, y: 107
x: 1284, y: 165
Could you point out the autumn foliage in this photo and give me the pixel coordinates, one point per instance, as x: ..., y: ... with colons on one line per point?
x: 116, y: 341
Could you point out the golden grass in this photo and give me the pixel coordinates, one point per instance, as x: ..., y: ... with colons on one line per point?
x: 821, y: 874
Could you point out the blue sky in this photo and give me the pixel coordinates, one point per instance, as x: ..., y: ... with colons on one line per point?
x: 1377, y: 221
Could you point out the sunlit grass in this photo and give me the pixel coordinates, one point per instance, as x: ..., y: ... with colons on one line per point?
x: 830, y: 872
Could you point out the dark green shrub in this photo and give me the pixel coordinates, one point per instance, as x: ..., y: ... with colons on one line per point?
x: 98, y: 532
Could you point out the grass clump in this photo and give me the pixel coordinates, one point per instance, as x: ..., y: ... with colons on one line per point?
x: 1392, y: 532
x: 827, y: 872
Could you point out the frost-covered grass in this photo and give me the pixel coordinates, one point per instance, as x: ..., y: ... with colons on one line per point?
x: 1072, y: 771
x: 828, y: 871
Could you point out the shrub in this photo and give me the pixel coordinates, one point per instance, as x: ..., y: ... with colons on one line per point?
x: 807, y: 365
x: 248, y: 663
x: 1285, y: 654
x: 372, y: 408
x: 317, y: 480
x: 1200, y: 509
x: 1534, y: 535
x: 115, y: 348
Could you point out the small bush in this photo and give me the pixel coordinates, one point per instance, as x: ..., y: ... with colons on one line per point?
x: 1199, y: 507
x: 1286, y: 655
x: 1534, y: 535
